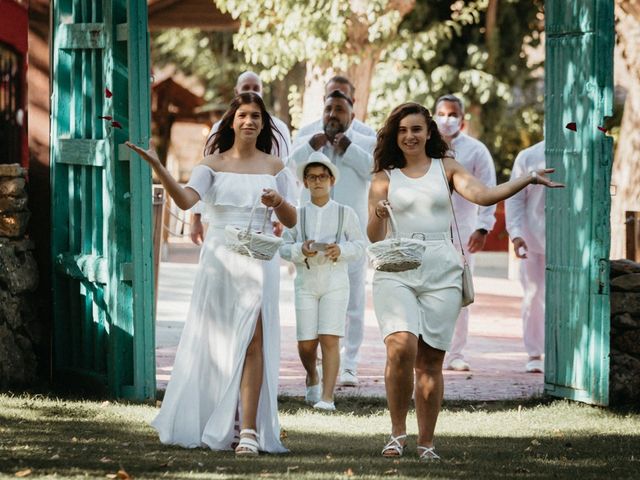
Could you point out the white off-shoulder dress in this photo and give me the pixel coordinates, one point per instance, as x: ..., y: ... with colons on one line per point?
x: 230, y: 290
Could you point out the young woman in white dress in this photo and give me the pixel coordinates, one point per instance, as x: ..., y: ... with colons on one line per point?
x: 417, y: 309
x: 226, y: 366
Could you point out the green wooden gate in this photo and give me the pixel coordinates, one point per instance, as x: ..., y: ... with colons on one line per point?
x: 579, y: 89
x: 101, y: 197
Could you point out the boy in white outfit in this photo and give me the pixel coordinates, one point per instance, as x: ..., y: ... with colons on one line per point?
x: 327, y: 237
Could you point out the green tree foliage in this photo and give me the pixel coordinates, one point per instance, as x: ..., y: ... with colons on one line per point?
x: 443, y: 47
x: 277, y: 34
x: 208, y: 56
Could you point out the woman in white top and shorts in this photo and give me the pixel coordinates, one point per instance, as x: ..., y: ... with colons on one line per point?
x: 417, y: 309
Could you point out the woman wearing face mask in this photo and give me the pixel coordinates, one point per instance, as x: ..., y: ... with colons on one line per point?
x: 417, y: 309
x: 475, y: 222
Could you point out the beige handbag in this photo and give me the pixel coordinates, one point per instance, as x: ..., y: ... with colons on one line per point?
x: 253, y: 243
x: 395, y: 254
x: 468, y: 293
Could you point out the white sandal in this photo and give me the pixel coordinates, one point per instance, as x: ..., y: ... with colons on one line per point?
x: 393, y: 448
x: 248, y: 446
x: 428, y: 454
x: 236, y: 434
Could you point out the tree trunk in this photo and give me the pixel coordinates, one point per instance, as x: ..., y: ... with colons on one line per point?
x: 361, y: 72
x: 626, y: 166
x: 491, y: 34
x: 360, y: 75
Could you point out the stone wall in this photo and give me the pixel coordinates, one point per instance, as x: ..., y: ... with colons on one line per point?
x: 624, y: 380
x: 19, y: 330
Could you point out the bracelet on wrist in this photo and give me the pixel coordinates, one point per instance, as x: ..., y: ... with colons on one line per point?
x: 279, y: 204
x: 534, y: 177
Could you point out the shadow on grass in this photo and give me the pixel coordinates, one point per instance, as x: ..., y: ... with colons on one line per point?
x: 60, y: 441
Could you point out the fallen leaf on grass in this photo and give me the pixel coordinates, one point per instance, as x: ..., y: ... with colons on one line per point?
x: 292, y: 469
x: 105, y: 460
x: 283, y: 434
x: 55, y: 456
x: 74, y: 439
x: 121, y: 475
x: 222, y: 469
x: 24, y: 473
x: 535, y: 442
x: 391, y: 471
x: 349, y: 472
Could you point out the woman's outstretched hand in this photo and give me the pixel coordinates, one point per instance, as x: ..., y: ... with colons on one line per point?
x: 150, y: 155
x: 539, y: 177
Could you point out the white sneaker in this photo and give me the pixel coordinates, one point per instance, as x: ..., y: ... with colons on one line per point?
x: 459, y: 365
x: 535, y: 366
x: 322, y: 405
x: 349, y: 378
x: 313, y: 394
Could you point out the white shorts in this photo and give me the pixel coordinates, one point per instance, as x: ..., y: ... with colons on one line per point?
x: 425, y: 301
x: 321, y: 299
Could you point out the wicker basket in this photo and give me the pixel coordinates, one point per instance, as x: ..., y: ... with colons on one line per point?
x: 395, y: 254
x: 252, y: 243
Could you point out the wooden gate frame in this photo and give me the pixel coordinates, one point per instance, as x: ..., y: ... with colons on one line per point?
x: 577, y: 277
x: 101, y: 197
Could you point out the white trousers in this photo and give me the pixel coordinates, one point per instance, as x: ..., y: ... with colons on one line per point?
x: 354, y: 332
x: 462, y: 324
x: 532, y: 271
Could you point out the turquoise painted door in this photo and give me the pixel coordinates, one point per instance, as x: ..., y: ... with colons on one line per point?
x: 101, y: 198
x: 578, y: 89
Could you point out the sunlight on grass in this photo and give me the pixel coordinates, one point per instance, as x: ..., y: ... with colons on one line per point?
x: 57, y: 438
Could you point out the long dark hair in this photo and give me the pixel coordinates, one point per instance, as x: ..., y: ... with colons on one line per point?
x: 388, y: 155
x: 222, y: 140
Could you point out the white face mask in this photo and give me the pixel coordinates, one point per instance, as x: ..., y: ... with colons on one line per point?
x: 448, y: 126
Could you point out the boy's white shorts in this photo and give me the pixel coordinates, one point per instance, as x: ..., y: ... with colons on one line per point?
x: 321, y: 299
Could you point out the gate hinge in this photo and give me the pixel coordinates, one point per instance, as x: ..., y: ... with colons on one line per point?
x: 603, y: 276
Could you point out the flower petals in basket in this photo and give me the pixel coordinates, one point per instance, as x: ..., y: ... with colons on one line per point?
x: 395, y: 254
x: 252, y: 243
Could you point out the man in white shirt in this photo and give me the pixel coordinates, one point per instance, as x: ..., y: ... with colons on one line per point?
x: 475, y: 222
x: 342, y: 84
x: 247, y: 82
x: 352, y: 154
x: 526, y: 227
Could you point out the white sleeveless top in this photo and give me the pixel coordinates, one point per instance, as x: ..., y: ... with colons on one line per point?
x: 420, y: 204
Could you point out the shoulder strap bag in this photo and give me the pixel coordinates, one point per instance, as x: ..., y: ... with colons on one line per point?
x: 468, y: 294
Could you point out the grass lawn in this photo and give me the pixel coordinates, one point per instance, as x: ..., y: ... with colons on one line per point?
x: 43, y: 437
